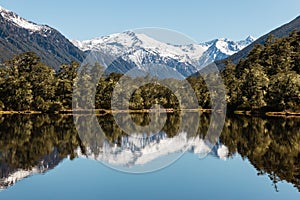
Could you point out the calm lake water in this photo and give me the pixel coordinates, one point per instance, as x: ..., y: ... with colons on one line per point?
x: 45, y: 157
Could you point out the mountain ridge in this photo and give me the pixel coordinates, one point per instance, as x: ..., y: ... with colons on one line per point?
x: 18, y: 35
x: 141, y: 49
x: 279, y: 32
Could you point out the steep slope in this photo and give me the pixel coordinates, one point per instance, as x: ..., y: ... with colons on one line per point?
x: 282, y: 31
x: 18, y: 35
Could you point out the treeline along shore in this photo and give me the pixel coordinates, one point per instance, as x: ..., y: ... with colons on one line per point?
x: 266, y: 81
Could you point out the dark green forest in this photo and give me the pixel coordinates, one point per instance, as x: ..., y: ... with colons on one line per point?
x: 268, y: 79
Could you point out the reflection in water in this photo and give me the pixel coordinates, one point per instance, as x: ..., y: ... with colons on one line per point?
x: 10, y: 175
x: 37, y: 143
x: 271, y: 145
x: 142, y: 149
x: 34, y: 144
x: 121, y: 149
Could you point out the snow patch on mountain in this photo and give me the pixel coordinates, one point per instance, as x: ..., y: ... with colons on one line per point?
x: 141, y: 49
x: 130, y: 43
x: 219, y: 49
x: 21, y: 22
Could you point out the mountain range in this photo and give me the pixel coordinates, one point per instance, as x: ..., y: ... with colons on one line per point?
x: 133, y: 49
x: 128, y: 49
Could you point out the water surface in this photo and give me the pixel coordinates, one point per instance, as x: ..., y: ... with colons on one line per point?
x: 43, y: 156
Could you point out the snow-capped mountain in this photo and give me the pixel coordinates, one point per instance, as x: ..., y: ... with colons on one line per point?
x: 23, y: 23
x: 18, y: 35
x: 129, y: 49
x: 139, y: 49
x: 222, y: 48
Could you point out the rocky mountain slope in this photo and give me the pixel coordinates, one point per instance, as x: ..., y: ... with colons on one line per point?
x: 18, y: 35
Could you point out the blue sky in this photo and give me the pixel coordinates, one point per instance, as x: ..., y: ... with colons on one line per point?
x: 201, y: 20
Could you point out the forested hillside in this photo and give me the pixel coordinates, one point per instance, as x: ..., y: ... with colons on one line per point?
x: 268, y: 78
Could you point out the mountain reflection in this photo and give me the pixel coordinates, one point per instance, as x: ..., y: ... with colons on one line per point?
x: 34, y: 144
x: 31, y: 144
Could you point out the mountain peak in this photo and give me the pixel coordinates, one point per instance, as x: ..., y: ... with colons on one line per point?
x: 130, y: 33
x: 3, y: 9
x: 222, y: 39
x: 21, y: 22
x: 250, y: 38
x: 140, y: 49
x: 20, y: 35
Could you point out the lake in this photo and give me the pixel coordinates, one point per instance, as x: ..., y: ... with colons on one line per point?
x: 51, y: 157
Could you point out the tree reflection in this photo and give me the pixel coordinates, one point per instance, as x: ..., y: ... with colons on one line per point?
x: 272, y: 145
x: 27, y: 141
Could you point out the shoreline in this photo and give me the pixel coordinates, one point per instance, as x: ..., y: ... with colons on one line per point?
x: 286, y: 114
x: 107, y: 111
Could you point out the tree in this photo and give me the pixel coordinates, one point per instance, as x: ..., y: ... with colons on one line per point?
x: 267, y: 77
x: 65, y: 80
x: 254, y: 87
x: 284, y: 91
x: 29, y: 84
x: 17, y: 89
x: 232, y: 85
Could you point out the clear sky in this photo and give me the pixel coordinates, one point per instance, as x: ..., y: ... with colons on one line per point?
x: 201, y: 20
